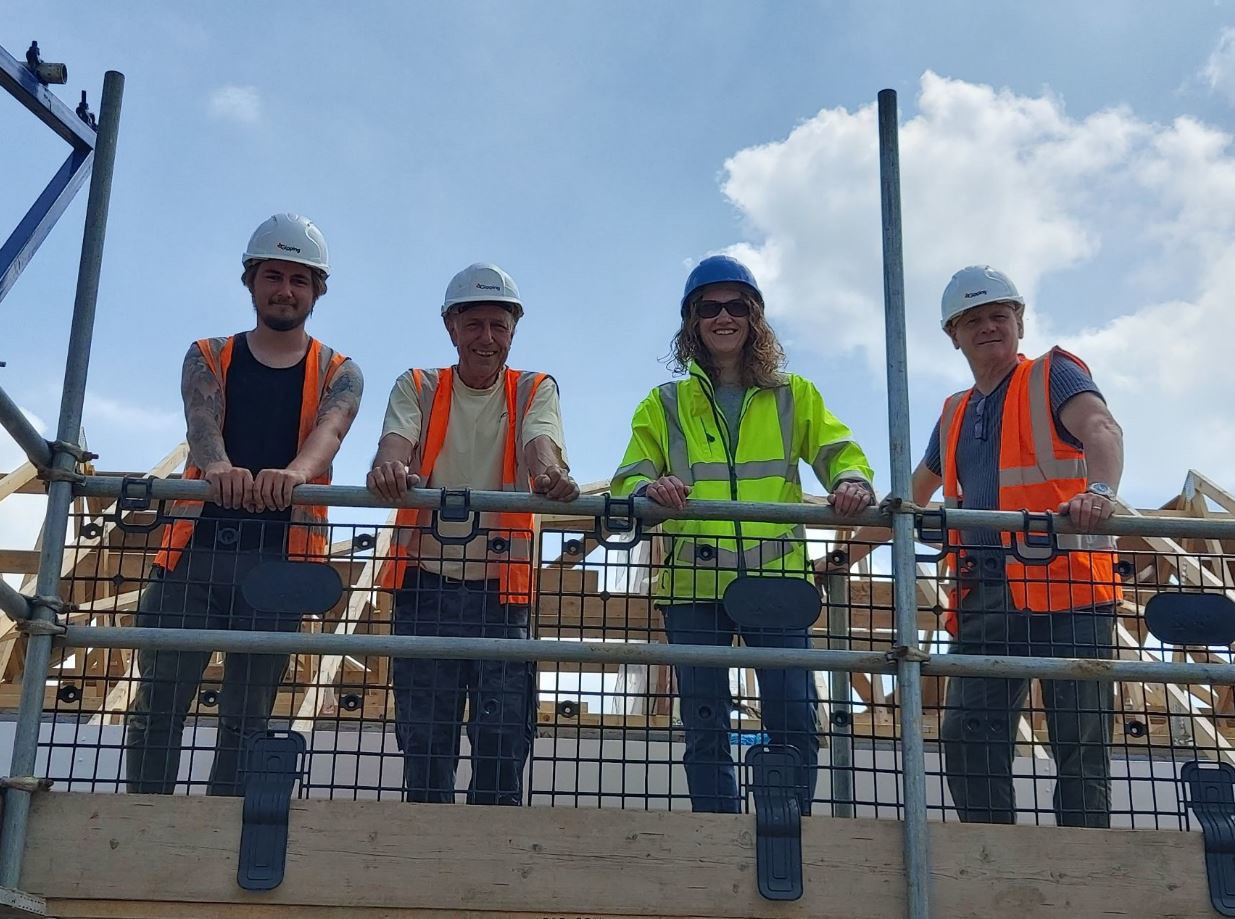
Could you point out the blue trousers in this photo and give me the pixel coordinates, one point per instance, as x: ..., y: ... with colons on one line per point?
x: 430, y: 695
x: 787, y: 697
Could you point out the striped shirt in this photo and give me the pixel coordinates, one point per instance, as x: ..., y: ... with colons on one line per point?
x: 977, y: 452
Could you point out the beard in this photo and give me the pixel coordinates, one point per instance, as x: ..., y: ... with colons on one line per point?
x: 282, y: 324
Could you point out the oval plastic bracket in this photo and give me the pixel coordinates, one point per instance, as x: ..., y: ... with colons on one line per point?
x: 1192, y: 618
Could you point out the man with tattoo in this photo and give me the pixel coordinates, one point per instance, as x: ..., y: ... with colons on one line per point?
x: 479, y: 425
x: 266, y: 410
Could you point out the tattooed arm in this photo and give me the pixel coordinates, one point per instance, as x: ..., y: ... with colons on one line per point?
x: 203, y: 413
x: 273, y: 487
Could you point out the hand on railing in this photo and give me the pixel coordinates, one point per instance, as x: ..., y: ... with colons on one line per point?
x: 668, y: 491
x: 230, y: 486
x: 391, y: 480
x: 272, y: 489
x: 1089, y: 509
x: 851, y: 496
x: 556, y: 484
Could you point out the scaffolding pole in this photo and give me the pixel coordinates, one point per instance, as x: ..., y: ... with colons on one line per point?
x: 60, y: 491
x: 909, y: 666
x: 649, y: 512
x: 840, y: 699
x: 611, y: 653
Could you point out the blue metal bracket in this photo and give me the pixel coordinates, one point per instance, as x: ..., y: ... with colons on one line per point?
x: 23, y: 84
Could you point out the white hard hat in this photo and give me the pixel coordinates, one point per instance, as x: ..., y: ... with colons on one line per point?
x: 483, y: 283
x: 291, y: 238
x: 975, y: 286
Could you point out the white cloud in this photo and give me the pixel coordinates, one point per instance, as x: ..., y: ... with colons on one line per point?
x: 241, y: 104
x: 1130, y: 223
x: 129, y: 416
x: 1219, y: 69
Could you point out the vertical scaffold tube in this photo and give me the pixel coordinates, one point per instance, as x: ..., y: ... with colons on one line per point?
x: 60, y: 491
x: 840, y: 698
x: 909, y: 670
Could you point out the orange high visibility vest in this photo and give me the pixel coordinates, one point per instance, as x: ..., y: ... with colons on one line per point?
x: 512, y: 549
x: 1038, y: 471
x: 308, y: 534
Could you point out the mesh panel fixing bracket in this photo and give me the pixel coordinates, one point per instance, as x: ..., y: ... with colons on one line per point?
x: 274, y: 767
x: 778, y: 820
x: 1211, y: 795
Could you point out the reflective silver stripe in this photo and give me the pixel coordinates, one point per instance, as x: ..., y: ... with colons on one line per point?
x: 823, y: 460
x: 1047, y: 467
x: 752, y: 469
x: 686, y: 551
x: 679, y: 456
x: 642, y: 467
x: 784, y: 411
x: 523, y: 391
x: 951, y: 502
x: 1021, y: 475
x: 1043, y: 424
x: 1086, y: 542
x: 428, y: 388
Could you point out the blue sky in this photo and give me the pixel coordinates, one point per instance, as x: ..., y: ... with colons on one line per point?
x: 596, y: 150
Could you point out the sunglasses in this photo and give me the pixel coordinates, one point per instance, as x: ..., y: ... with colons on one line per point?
x: 710, y: 309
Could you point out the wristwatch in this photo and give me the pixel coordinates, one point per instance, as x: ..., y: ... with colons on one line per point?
x: 1102, y: 490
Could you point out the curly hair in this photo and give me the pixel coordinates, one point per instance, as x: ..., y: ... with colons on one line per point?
x: 763, y: 359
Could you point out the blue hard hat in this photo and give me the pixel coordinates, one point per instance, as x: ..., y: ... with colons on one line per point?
x: 719, y: 269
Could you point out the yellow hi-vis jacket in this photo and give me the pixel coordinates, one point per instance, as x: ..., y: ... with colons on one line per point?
x: 679, y: 429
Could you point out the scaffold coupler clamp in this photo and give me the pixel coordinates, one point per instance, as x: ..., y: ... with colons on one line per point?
x: 27, y: 783
x: 776, y: 787
x: 1211, y: 795
x: 34, y: 627
x: 906, y: 653
x: 274, y: 762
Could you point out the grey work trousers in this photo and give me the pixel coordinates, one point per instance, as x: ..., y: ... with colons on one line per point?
x: 979, y: 726
x: 201, y: 592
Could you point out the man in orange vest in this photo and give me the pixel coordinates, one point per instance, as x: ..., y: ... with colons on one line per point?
x: 477, y: 425
x: 266, y: 411
x: 1030, y: 435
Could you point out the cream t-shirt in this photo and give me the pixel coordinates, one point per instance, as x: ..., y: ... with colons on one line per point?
x: 471, y: 457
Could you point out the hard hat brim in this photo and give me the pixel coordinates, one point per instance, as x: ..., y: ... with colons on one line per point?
x: 1018, y: 302
x: 463, y: 301
x: 250, y: 258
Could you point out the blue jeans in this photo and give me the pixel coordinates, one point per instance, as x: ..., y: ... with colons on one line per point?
x: 430, y: 695
x: 788, y: 705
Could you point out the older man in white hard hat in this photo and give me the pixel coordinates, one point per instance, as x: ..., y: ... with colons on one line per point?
x: 1030, y: 435
x: 476, y: 425
x: 266, y: 410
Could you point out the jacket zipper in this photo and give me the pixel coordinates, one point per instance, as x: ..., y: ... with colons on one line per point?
x: 731, y: 452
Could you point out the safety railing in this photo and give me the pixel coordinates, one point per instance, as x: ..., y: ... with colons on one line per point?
x: 600, y: 692
x: 622, y: 709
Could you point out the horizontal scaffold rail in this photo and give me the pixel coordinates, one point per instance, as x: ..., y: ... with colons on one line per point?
x: 609, y: 509
x: 540, y: 649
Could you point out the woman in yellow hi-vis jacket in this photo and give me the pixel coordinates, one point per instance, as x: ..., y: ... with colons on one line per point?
x: 735, y: 428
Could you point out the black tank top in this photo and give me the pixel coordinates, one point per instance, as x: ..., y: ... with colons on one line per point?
x: 261, y: 430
